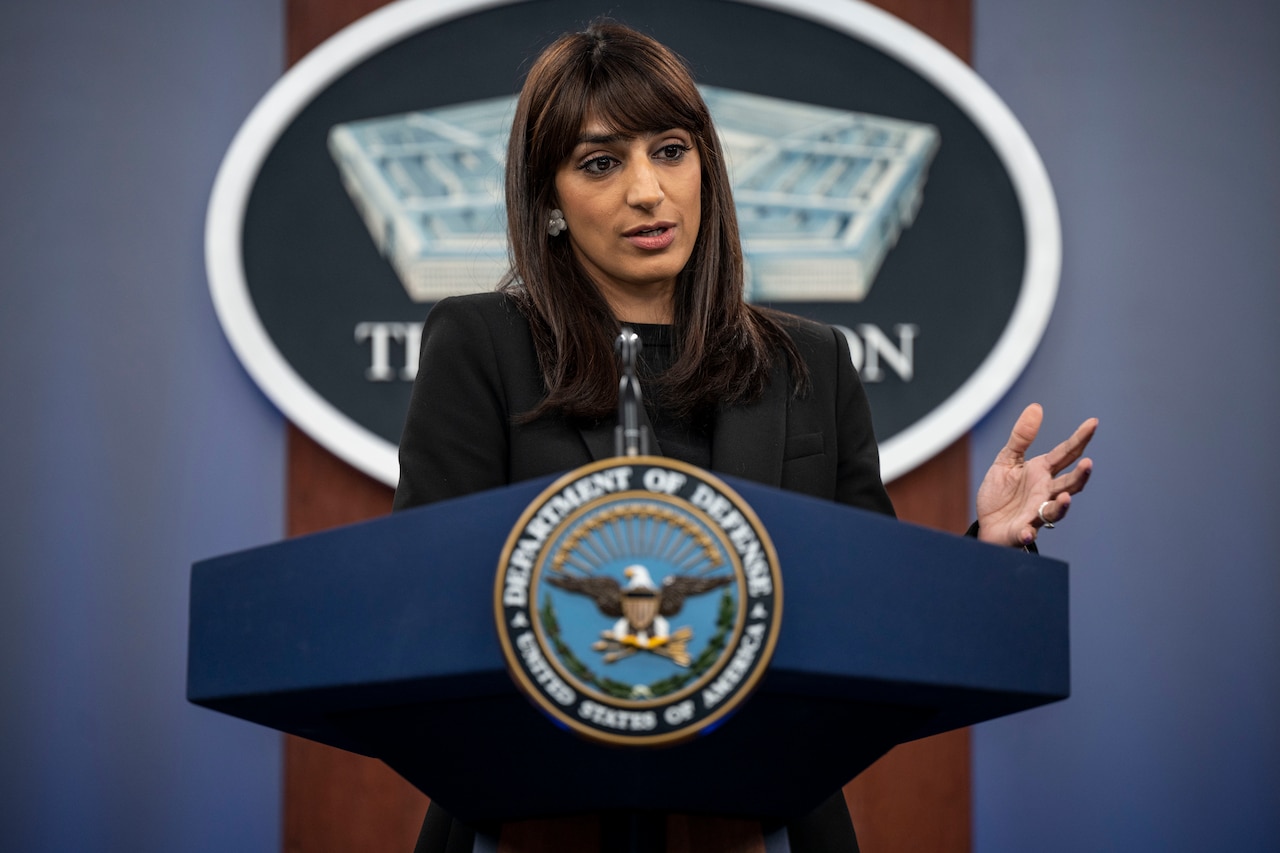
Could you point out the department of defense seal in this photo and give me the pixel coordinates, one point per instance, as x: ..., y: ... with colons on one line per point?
x: 638, y: 601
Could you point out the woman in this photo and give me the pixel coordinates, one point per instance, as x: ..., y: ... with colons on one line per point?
x: 619, y: 211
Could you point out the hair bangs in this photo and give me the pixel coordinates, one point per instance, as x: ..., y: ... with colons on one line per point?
x: 637, y: 101
x: 627, y: 82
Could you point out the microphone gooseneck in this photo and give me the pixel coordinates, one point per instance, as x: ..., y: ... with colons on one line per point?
x: 630, y: 438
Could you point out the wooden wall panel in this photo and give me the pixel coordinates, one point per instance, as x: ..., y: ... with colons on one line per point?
x: 309, y: 22
x: 948, y: 22
x: 336, y: 801
x: 916, y: 799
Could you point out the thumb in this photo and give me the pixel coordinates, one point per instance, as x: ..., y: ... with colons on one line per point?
x: 1024, y: 433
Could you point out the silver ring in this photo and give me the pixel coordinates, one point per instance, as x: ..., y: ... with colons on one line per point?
x: 1040, y: 512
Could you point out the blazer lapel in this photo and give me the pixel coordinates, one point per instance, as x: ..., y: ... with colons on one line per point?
x: 748, y: 441
x: 599, y: 439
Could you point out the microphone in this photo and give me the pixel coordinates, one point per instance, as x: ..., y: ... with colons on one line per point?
x: 630, y: 438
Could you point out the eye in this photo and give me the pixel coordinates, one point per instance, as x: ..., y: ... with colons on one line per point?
x: 672, y: 151
x: 598, y: 165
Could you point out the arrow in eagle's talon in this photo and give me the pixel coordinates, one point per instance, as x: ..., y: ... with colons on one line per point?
x: 676, y: 647
x: 613, y: 657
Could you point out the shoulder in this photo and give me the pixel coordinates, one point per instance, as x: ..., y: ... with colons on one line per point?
x: 475, y: 319
x: 489, y: 307
x: 482, y: 334
x: 822, y: 347
x: 806, y: 332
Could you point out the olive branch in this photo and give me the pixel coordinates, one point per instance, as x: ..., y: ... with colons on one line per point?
x: 725, y: 619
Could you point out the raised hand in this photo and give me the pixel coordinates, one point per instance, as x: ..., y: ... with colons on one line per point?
x: 1018, y: 495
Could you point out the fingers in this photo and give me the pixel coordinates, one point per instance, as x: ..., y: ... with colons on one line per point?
x: 1069, y: 451
x: 1074, y: 481
x: 1053, y: 510
x: 1049, y: 514
x: 1025, y: 430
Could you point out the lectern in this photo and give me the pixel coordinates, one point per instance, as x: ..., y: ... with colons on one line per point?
x: 379, y: 638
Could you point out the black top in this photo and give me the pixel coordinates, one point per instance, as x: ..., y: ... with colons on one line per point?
x: 687, y: 439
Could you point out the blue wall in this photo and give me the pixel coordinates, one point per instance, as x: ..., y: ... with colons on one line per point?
x: 133, y: 443
x: 1158, y: 122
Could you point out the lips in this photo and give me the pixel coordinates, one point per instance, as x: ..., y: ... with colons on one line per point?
x: 652, y: 236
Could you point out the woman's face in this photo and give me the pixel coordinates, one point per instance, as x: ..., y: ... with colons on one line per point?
x: 632, y: 204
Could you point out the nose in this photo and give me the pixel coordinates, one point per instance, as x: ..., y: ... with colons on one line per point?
x: 645, y: 189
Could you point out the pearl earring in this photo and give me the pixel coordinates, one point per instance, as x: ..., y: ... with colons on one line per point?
x: 556, y: 223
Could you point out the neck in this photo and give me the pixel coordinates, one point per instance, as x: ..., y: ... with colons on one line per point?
x: 632, y: 308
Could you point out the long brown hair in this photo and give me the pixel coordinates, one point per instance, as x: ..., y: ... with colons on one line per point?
x: 724, y: 347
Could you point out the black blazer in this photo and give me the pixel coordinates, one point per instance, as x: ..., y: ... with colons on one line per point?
x: 478, y: 372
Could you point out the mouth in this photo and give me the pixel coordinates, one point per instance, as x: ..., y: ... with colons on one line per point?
x: 649, y: 229
x: 657, y: 235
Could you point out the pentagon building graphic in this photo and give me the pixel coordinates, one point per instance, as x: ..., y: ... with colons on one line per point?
x: 822, y: 194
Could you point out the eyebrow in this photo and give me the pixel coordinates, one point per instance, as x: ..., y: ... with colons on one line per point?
x: 604, y: 138
x: 618, y: 136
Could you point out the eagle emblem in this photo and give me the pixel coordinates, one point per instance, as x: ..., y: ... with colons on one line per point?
x: 641, y: 609
x: 638, y: 600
